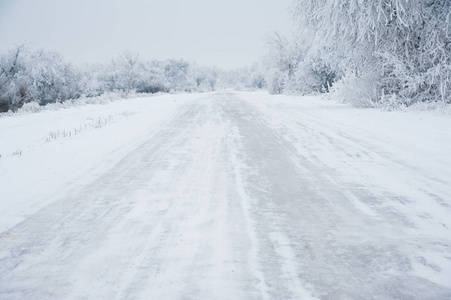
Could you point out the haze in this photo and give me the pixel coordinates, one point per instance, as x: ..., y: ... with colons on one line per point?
x: 227, y: 34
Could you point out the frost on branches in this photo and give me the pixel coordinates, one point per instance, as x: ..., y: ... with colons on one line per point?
x: 43, y: 77
x: 403, y: 47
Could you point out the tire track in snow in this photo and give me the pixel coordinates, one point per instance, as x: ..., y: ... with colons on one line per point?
x: 233, y: 140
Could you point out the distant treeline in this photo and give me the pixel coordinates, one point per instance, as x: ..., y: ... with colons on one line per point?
x: 44, y: 77
x: 389, y: 53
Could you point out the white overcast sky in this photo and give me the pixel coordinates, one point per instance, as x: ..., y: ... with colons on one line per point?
x: 226, y: 33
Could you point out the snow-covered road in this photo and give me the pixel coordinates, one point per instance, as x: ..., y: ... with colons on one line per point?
x: 246, y: 196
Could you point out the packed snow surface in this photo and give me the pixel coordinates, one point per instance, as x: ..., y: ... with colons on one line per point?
x: 225, y: 196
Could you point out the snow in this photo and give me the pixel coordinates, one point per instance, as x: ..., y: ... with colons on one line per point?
x: 50, y: 162
x: 227, y: 195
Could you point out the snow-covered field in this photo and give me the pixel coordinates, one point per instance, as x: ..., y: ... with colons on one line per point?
x: 225, y: 196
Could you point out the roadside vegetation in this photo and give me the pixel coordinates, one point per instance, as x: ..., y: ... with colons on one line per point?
x: 387, y: 54
x: 391, y: 53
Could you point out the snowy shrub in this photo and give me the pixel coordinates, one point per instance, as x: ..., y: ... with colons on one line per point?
x: 359, y: 91
x: 257, y: 78
x: 275, y: 80
x: 31, y: 107
x: 282, y: 61
x: 90, y: 80
x: 316, y: 72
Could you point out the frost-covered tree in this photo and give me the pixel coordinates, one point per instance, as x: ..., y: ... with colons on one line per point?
x: 13, y: 83
x: 90, y: 80
x: 316, y: 72
x: 124, y: 72
x: 205, y: 78
x: 38, y: 76
x: 152, y: 78
x: 299, y: 65
x: 52, y: 79
x: 282, y: 62
x: 178, y: 75
x: 405, y: 45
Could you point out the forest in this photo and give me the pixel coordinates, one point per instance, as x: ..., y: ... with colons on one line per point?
x: 385, y: 54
